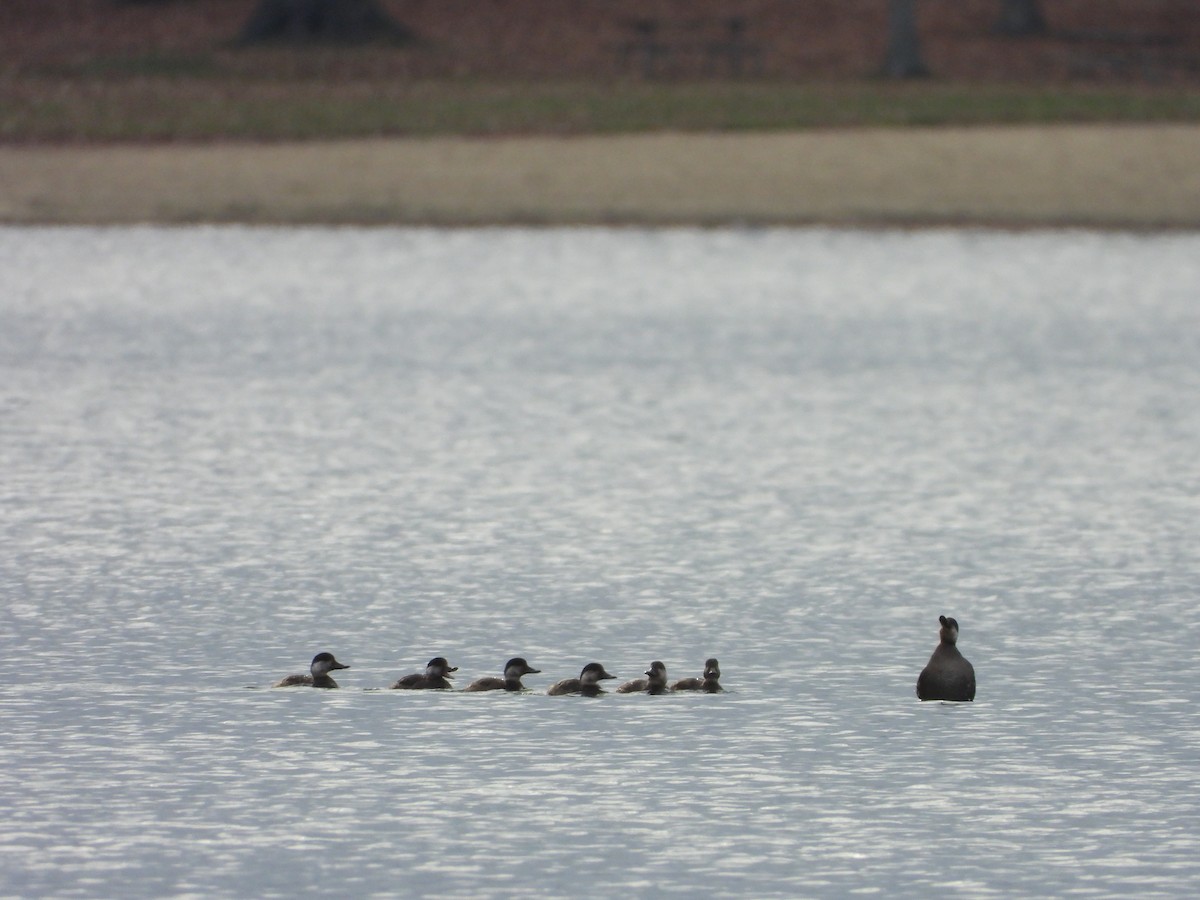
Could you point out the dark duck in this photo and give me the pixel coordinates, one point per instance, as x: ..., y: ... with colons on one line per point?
x: 514, y: 670
x: 709, y: 682
x: 436, y: 676
x: 587, y: 684
x: 322, y: 665
x: 947, y: 675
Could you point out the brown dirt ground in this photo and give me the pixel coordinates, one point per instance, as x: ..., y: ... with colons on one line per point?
x: 1095, y: 176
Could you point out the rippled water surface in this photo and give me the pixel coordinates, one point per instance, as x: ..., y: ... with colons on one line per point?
x: 226, y: 449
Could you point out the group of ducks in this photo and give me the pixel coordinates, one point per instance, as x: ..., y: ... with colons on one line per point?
x: 947, y: 676
x: 439, y: 672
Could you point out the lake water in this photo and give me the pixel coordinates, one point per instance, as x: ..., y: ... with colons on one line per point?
x: 226, y: 449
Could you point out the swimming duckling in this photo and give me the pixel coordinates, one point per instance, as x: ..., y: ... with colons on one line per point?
x: 435, y: 677
x: 947, y: 675
x: 587, y: 684
x: 655, y: 681
x: 513, y: 670
x: 322, y: 665
x: 710, y: 682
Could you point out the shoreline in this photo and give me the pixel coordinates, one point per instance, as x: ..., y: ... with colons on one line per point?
x: 1136, y: 177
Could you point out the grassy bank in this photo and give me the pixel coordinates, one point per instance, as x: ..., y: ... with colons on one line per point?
x: 182, y: 98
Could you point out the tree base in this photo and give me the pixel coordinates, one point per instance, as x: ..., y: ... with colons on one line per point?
x: 1021, y: 17
x: 328, y: 21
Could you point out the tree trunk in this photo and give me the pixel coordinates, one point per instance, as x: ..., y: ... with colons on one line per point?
x: 338, y: 21
x: 904, y: 47
x: 1019, y: 17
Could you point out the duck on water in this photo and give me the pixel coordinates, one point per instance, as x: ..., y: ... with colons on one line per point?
x: 514, y: 670
x: 319, y: 669
x: 655, y: 681
x: 947, y: 675
x: 709, y: 682
x: 587, y: 684
x: 436, y: 676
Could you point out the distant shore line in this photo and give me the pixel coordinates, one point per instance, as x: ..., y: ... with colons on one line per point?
x: 1096, y: 176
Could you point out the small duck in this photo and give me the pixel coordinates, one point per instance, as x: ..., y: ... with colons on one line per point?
x: 655, y: 681
x: 587, y: 684
x: 710, y: 682
x: 514, y: 669
x: 322, y: 665
x: 435, y: 677
x: 947, y: 675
